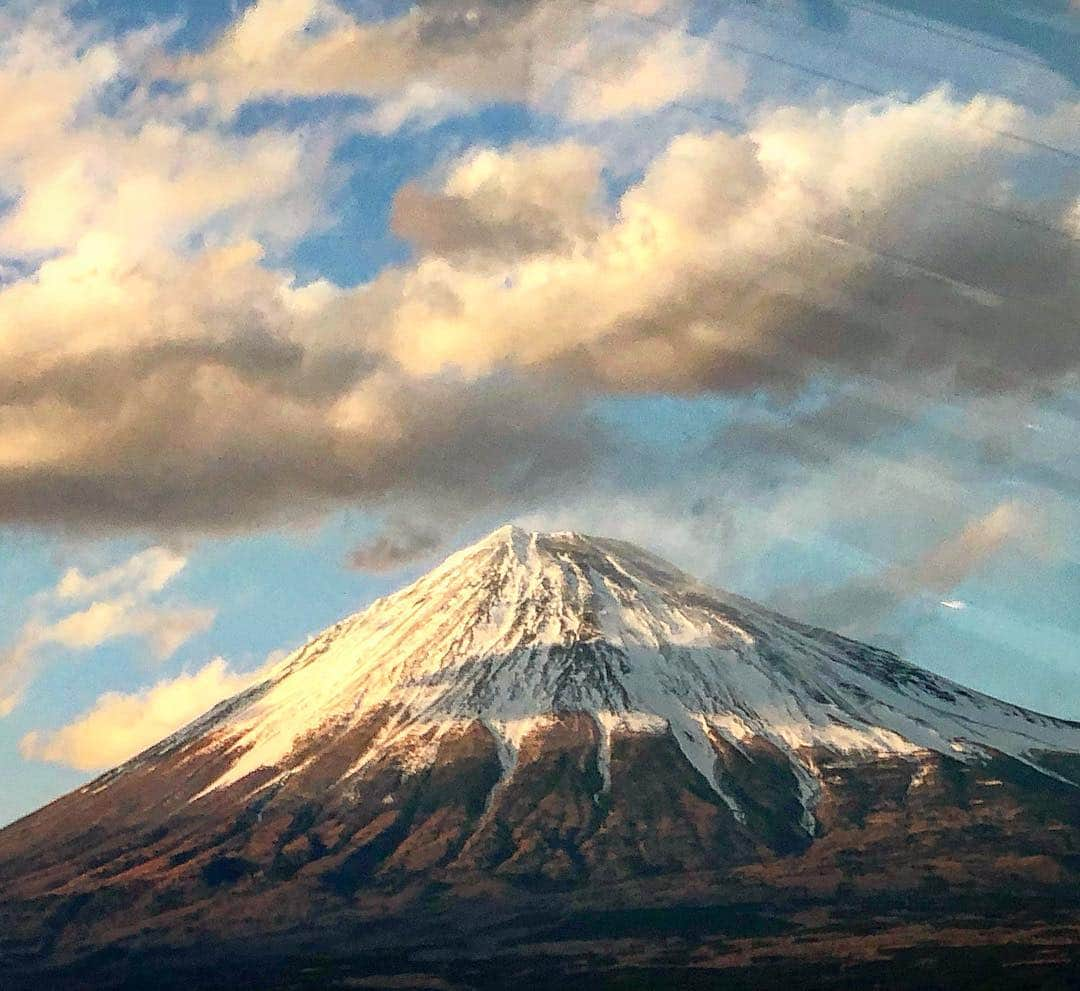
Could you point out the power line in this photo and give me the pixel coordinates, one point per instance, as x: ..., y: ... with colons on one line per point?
x: 895, y: 259
x: 873, y: 56
x: 891, y: 257
x: 922, y: 24
x: 743, y: 123
x: 821, y: 74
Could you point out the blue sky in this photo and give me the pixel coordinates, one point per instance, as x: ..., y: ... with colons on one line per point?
x: 296, y: 296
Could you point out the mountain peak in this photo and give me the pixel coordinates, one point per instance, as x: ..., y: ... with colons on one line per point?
x: 520, y: 539
x: 523, y: 626
x: 508, y: 533
x: 526, y: 545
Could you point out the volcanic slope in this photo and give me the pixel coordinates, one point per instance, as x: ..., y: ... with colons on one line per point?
x: 556, y: 717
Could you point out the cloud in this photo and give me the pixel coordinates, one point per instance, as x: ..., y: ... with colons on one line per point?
x: 202, y: 443
x: 482, y: 52
x: 121, y: 724
x: 154, y: 371
x: 157, y: 373
x: 123, y: 606
x: 950, y: 562
x: 47, y: 68
x: 165, y: 629
x: 748, y: 261
x: 439, y: 58
x: 204, y: 391
x: 401, y: 544
x: 631, y: 74
x: 862, y: 604
x: 73, y: 171
x: 160, y: 183
x: 146, y: 572
x: 504, y: 205
x: 420, y: 104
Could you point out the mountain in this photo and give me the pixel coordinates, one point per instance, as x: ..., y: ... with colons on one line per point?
x: 558, y: 756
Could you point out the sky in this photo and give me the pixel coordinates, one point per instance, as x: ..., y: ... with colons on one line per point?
x: 298, y: 296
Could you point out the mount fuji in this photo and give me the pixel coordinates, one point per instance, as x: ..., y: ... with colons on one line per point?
x: 558, y: 755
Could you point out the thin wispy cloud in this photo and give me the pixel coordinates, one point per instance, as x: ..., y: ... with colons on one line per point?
x: 861, y: 604
x: 117, y: 603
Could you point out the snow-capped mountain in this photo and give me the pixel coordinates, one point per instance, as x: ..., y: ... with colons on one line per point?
x: 548, y: 712
x: 522, y: 626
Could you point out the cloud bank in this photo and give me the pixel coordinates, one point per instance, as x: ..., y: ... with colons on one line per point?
x: 202, y: 390
x: 163, y: 368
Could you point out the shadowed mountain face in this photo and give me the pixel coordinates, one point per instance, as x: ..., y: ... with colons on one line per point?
x: 556, y: 756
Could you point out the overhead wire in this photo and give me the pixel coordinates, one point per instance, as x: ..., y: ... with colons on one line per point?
x: 831, y: 77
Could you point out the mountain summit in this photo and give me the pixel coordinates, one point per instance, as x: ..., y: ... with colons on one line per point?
x: 525, y: 626
x: 544, y: 712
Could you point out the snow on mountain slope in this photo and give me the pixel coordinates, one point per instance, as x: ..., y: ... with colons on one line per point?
x: 523, y: 625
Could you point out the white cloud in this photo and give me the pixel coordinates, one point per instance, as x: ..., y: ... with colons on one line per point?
x: 592, y: 62
x: 148, y: 571
x: 47, y: 69
x: 143, y: 327
x: 123, y: 606
x: 284, y: 48
x: 636, y: 75
x: 737, y: 258
x: 505, y: 204
x: 165, y: 629
x: 421, y: 103
x: 145, y: 179
x: 121, y: 724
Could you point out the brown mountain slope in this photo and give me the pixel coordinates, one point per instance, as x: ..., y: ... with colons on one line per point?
x: 387, y: 846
